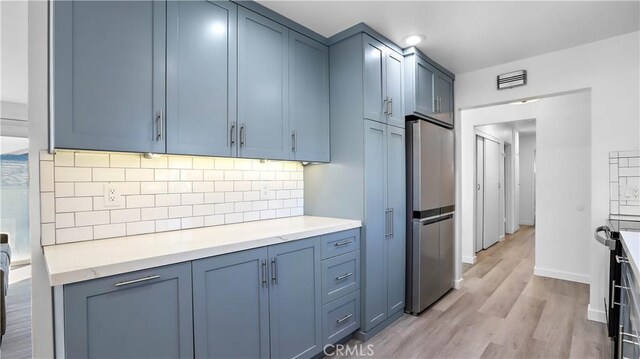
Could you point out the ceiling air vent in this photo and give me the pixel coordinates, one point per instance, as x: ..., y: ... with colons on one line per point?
x: 512, y: 79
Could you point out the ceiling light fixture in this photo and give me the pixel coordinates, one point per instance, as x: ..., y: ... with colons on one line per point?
x: 525, y: 101
x: 414, y: 39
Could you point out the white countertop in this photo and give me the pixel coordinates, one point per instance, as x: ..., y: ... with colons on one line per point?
x: 75, y: 262
x: 631, y: 244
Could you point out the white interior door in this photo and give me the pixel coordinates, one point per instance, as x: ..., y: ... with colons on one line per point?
x: 479, y: 193
x: 493, y: 224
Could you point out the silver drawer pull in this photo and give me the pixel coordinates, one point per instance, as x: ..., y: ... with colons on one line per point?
x: 343, y: 243
x: 339, y: 321
x: 134, y: 281
x: 621, y: 259
x: 346, y: 275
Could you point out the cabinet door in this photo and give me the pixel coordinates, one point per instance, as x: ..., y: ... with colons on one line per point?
x: 309, y: 98
x: 374, y: 244
x: 263, y: 87
x: 109, y: 75
x: 231, y: 305
x: 396, y: 203
x: 201, y: 77
x: 374, y: 79
x: 145, y: 314
x: 444, y: 92
x: 395, y: 88
x: 424, y: 92
x: 295, y: 299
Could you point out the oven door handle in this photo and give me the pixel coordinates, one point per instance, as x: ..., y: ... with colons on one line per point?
x: 607, y: 241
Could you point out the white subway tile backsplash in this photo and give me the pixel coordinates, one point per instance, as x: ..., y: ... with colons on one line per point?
x: 91, y: 159
x: 109, y: 231
x: 65, y: 220
x: 180, y: 211
x: 140, y: 201
x: 629, y: 172
x: 154, y: 213
x: 139, y: 174
x: 47, y: 207
x: 108, y: 174
x: 75, y: 234
x: 46, y: 177
x: 153, y: 187
x: 624, y: 177
x: 72, y: 174
x: 64, y: 189
x: 92, y: 218
x: 125, y: 160
x: 74, y: 204
x: 164, y: 225
x: 125, y: 215
x: 134, y: 228
x: 160, y: 193
x: 634, y: 162
x: 167, y: 175
x: 168, y: 200
x: 181, y: 162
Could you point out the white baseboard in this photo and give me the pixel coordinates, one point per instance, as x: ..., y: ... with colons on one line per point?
x: 527, y: 223
x: 469, y: 260
x: 596, y: 315
x: 457, y: 284
x: 572, y: 277
x: 501, y: 238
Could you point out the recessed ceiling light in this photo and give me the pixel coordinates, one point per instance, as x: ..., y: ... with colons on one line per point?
x: 414, y: 39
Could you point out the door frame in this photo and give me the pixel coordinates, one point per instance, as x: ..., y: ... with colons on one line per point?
x: 475, y: 181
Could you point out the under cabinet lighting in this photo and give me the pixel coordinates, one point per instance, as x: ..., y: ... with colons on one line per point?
x: 525, y: 101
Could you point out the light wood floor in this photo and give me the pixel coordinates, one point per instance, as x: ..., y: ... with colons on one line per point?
x: 16, y: 343
x: 501, y: 311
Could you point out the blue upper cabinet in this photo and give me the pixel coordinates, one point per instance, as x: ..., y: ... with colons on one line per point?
x: 201, y: 77
x: 263, y: 87
x: 231, y: 305
x: 309, y: 98
x: 374, y: 79
x: 383, y: 83
x: 108, y: 75
x: 144, y: 314
x: 295, y: 299
x: 428, y: 91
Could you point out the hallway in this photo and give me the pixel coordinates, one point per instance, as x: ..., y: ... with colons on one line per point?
x: 501, y: 311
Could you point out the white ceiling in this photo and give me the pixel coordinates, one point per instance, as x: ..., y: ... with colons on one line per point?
x: 466, y: 36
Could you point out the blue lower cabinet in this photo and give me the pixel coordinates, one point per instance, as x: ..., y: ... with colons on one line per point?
x: 295, y: 299
x: 340, y: 242
x: 144, y: 314
x: 231, y: 306
x: 340, y: 275
x: 340, y: 318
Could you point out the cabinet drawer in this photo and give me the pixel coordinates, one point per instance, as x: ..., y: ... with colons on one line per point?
x: 340, y: 318
x: 339, y: 243
x: 340, y: 275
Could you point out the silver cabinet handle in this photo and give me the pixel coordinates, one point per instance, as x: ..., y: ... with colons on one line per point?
x: 339, y: 321
x: 346, y: 275
x: 139, y: 280
x: 159, y: 125
x: 385, y: 104
x: 274, y: 270
x: 243, y: 135
x: 620, y: 259
x: 439, y: 104
x: 233, y: 134
x: 293, y: 141
x: 478, y: 186
x: 391, y: 221
x: 620, y: 341
x: 265, y: 281
x: 390, y: 106
x: 613, y: 294
x: 435, y: 104
x: 343, y: 243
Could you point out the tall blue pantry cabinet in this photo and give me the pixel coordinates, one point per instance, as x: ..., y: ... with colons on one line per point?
x: 366, y: 177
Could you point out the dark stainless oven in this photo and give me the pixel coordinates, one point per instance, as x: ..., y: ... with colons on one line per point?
x: 612, y: 308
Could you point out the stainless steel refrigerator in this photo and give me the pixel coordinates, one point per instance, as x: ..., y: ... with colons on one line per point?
x: 430, y: 212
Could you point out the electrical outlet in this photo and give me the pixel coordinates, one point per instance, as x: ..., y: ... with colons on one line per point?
x: 112, y: 197
x: 629, y: 192
x: 265, y: 191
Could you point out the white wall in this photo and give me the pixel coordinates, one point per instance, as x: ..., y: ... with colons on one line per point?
x: 527, y: 148
x: 41, y: 311
x: 611, y: 69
